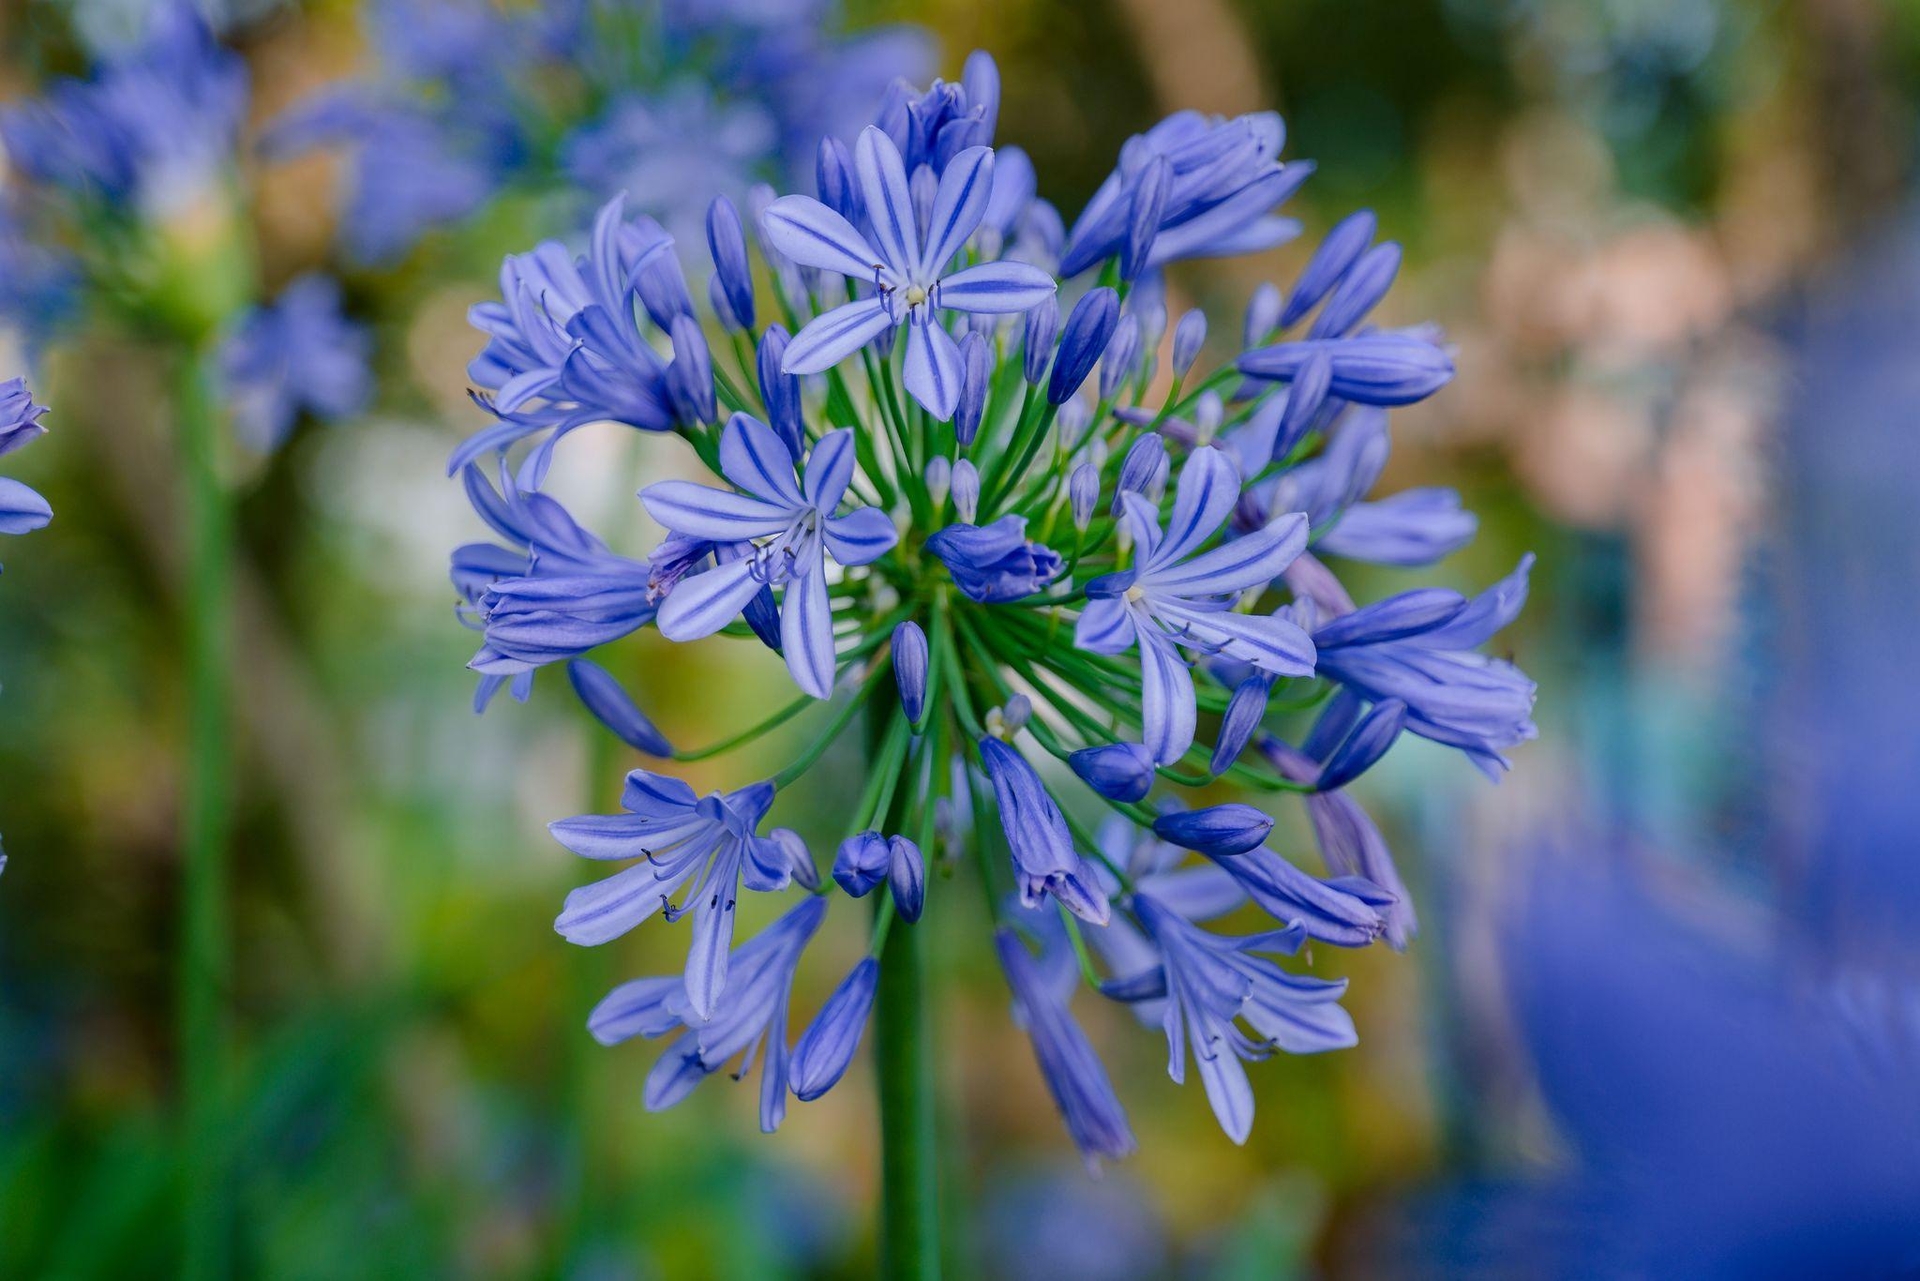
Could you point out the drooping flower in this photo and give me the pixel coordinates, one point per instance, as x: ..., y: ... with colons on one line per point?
x: 752, y: 1020
x: 995, y: 563
x: 1178, y: 595
x: 1211, y: 983
x: 910, y: 283
x: 709, y: 846
x: 1072, y: 1071
x: 792, y: 528
x: 1043, y: 855
x: 1419, y: 648
x: 296, y: 355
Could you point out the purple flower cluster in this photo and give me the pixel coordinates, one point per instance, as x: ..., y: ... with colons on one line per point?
x: 1004, y: 535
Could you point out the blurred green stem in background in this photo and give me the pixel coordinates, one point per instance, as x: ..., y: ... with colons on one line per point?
x: 204, y: 951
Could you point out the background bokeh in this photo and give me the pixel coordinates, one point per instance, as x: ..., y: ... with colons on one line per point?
x: 1673, y: 241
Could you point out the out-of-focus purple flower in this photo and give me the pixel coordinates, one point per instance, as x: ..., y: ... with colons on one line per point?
x: 298, y: 354
x: 671, y: 153
x: 153, y: 128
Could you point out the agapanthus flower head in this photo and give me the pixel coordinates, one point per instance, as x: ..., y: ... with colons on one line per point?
x: 1038, y: 591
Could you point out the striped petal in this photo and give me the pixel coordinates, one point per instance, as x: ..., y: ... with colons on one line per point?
x: 933, y: 371
x: 1246, y: 562
x: 1209, y: 487
x: 1167, y: 708
x: 860, y: 537
x: 702, y: 604
x: 996, y: 288
x: 827, y: 340
x: 719, y: 515
x: 815, y: 236
x: 883, y: 184
x: 806, y: 631
x: 829, y: 470
x: 965, y: 186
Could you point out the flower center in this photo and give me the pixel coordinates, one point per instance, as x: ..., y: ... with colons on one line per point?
x: 915, y: 295
x: 1135, y: 594
x: 774, y: 561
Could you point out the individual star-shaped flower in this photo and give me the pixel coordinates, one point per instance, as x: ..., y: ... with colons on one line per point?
x: 911, y: 283
x: 1172, y: 597
x: 785, y: 530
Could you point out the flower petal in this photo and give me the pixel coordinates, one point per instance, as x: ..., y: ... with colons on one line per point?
x: 1209, y: 487
x: 965, y: 186
x: 997, y: 288
x: 718, y: 515
x: 1104, y: 627
x: 860, y: 537
x: 883, y: 184
x: 933, y: 372
x: 1167, y: 709
x: 702, y: 604
x: 806, y: 631
x: 758, y: 461
x: 1270, y: 643
x: 1246, y: 562
x: 829, y: 470
x: 827, y: 340
x: 815, y: 236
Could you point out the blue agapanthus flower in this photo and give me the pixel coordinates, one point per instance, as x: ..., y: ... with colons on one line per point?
x: 295, y: 355
x: 1001, y: 537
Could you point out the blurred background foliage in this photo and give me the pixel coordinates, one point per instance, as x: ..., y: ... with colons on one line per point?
x: 1614, y: 207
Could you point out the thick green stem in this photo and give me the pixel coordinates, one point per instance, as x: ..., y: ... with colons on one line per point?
x: 910, y: 1204
x: 204, y: 951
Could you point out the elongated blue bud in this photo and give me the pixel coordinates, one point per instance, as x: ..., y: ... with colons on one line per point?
x: 1305, y: 396
x: 763, y: 616
x: 1118, y: 771
x: 1218, y: 831
x: 829, y: 1043
x: 1070, y: 426
x: 939, y: 478
x: 1146, y: 456
x: 604, y: 696
x: 1189, y: 336
x: 1042, y: 327
x: 1083, y: 492
x: 722, y: 307
x: 861, y: 863
x: 1370, y: 369
x: 1366, y: 745
x: 799, y: 859
x: 690, y: 376
x: 1328, y: 266
x: 907, y: 874
x: 834, y: 175
x: 1143, y: 220
x: 976, y: 368
x: 1245, y: 710
x: 910, y: 668
x: 1366, y: 284
x: 1117, y: 362
x: 966, y: 490
x: 1088, y: 329
x: 1263, y: 315
x: 663, y: 291
x: 727, y: 240
x: 780, y: 391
